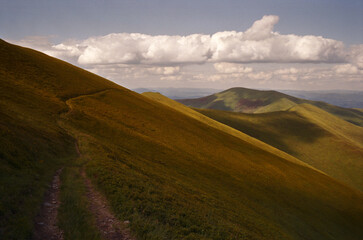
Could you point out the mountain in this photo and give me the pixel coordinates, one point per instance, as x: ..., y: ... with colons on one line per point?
x: 258, y: 101
x: 312, y: 135
x: 169, y: 174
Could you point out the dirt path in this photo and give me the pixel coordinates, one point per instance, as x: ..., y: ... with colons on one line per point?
x: 46, y: 221
x: 109, y: 226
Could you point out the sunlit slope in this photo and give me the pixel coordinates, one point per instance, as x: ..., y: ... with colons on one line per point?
x: 257, y: 101
x: 310, y: 134
x: 218, y: 125
x: 172, y: 176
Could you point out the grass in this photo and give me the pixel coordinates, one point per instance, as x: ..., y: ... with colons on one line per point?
x: 170, y: 174
x: 22, y: 192
x: 170, y: 189
x: 32, y: 145
x: 74, y: 216
x: 218, y: 125
x: 308, y: 133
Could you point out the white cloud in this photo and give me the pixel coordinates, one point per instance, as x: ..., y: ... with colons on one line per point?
x: 259, y: 43
x: 172, y: 78
x: 138, y: 48
x: 356, y: 55
x: 260, y: 75
x: 164, y: 70
x: 285, y: 71
x: 135, y: 72
x: 224, y: 67
x: 346, y: 69
x: 237, y: 57
x: 262, y: 29
x: 65, y: 50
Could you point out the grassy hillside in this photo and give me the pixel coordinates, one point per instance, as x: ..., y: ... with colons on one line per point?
x: 220, y: 126
x: 171, y: 175
x: 308, y: 133
x: 32, y: 144
x: 258, y: 101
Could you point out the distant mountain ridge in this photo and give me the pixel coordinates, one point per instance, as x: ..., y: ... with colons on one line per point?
x: 261, y: 101
x: 179, y: 93
x: 341, y: 98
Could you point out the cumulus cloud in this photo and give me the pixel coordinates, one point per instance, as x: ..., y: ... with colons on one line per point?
x: 122, y: 71
x: 136, y: 48
x: 164, y: 70
x: 259, y: 43
x: 65, y: 50
x: 260, y: 75
x: 235, y: 56
x: 224, y: 67
x: 356, y: 55
x: 346, y: 69
x: 262, y: 29
x: 285, y: 71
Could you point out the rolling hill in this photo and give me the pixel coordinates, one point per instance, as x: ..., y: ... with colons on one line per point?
x: 258, y: 101
x: 220, y: 126
x: 310, y: 134
x: 171, y: 175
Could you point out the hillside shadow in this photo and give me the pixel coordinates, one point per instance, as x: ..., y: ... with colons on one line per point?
x: 282, y: 130
x: 292, y: 124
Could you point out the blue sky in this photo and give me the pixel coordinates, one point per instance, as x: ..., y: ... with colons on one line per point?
x: 57, y: 22
x: 337, y: 19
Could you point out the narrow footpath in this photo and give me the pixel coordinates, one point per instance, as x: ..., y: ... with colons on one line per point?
x: 46, y: 221
x: 109, y: 226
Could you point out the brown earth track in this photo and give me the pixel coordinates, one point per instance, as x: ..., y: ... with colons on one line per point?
x: 109, y: 226
x: 46, y: 220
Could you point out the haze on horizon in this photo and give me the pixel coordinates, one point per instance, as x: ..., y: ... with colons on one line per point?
x: 309, y: 45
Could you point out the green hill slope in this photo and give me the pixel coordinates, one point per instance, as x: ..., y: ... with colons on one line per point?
x: 171, y: 175
x: 257, y: 101
x: 218, y: 125
x: 308, y: 133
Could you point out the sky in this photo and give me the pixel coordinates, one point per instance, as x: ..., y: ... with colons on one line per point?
x: 263, y: 44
